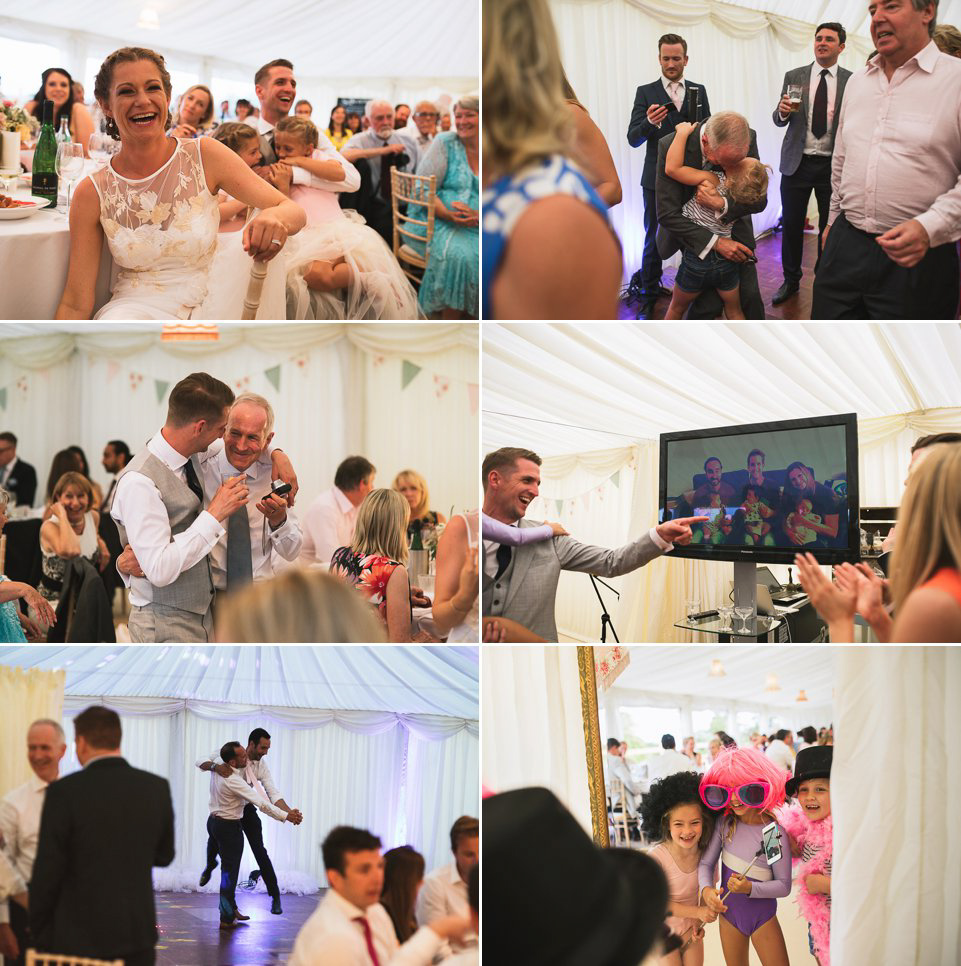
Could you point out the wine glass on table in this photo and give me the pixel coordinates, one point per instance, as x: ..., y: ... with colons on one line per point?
x: 691, y: 607
x: 99, y: 148
x: 69, y: 165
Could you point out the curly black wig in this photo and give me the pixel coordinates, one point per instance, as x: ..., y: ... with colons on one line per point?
x: 666, y: 794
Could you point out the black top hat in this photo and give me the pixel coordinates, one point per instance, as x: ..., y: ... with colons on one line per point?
x: 553, y: 898
x: 813, y: 762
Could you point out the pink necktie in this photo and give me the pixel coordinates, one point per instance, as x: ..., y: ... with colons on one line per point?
x: 675, y: 92
x: 365, y: 925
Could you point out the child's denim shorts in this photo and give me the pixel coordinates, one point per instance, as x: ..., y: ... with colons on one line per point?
x: 712, y: 271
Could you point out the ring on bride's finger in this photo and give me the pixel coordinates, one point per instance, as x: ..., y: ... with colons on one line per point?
x: 275, y: 241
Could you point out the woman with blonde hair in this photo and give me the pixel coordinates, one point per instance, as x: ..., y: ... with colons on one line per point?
x: 549, y: 251
x: 375, y: 560
x: 925, y: 565
x: 194, y: 116
x: 297, y: 607
x: 413, y: 488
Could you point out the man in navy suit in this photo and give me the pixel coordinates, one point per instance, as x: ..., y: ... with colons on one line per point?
x: 658, y: 108
x: 808, y: 147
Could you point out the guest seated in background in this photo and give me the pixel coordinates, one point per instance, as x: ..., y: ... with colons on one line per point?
x: 445, y: 890
x: 19, y: 479
x: 379, y: 149
x: 471, y: 955
x: 445, y: 120
x: 57, y: 86
x: 425, y: 118
x: 15, y: 626
x: 65, y: 461
x: 457, y: 583
x: 558, y: 258
x: 298, y: 607
x: 338, y: 131
x: 329, y: 521
x: 925, y: 583
x: 401, y: 116
x: 449, y: 285
x: 303, y: 109
x: 85, y: 469
x: 195, y: 113
x: 70, y: 531
x: 244, y: 110
x: 339, y: 268
x: 375, y: 560
x: 590, y: 151
x: 403, y: 878
x: 353, y: 123
x: 413, y: 488
x: 224, y: 113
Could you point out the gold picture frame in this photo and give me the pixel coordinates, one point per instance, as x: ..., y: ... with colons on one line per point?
x: 592, y: 745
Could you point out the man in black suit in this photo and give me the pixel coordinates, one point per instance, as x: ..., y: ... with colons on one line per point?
x: 16, y: 477
x: 722, y: 141
x: 658, y: 108
x: 102, y: 830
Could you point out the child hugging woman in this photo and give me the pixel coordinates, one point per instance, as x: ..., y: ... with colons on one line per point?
x: 673, y: 815
x: 744, y: 183
x: 745, y: 786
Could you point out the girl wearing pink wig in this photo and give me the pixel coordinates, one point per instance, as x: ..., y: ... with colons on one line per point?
x: 745, y: 786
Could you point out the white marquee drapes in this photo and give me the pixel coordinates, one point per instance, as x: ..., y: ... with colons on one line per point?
x: 591, y: 399
x: 340, y: 393
x: 609, y: 48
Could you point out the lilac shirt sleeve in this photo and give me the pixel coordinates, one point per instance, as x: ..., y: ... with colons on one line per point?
x: 707, y: 868
x: 780, y: 885
x: 497, y: 532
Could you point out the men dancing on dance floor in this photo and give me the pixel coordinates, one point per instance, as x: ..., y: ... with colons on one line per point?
x: 230, y: 798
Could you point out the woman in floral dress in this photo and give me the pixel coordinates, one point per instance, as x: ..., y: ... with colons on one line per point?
x: 375, y: 561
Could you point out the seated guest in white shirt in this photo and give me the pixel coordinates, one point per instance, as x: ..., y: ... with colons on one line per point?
x: 159, y: 507
x: 889, y: 248
x: 780, y: 750
x: 255, y: 545
x: 228, y: 799
x: 617, y: 768
x: 470, y: 956
x: 258, y: 744
x: 350, y: 927
x: 444, y: 892
x: 20, y: 825
x: 329, y: 522
x: 670, y: 760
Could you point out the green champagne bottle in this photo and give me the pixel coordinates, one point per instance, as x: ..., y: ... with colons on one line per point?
x: 63, y: 135
x: 45, y: 181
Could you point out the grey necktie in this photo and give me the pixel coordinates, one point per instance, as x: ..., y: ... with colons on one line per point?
x: 240, y: 570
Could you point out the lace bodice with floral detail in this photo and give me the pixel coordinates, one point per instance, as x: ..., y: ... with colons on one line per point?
x: 161, y: 230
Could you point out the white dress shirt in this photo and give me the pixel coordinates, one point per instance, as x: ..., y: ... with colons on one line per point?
x: 669, y: 762
x: 20, y: 825
x: 139, y: 508
x: 681, y: 91
x: 284, y: 543
x: 301, y: 176
x: 229, y: 796
x: 329, y: 524
x: 332, y: 937
x: 444, y: 893
x: 11, y: 882
x: 780, y: 754
x: 821, y: 147
x: 7, y: 471
x: 254, y: 769
x: 897, y: 154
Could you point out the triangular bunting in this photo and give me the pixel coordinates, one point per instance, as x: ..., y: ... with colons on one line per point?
x: 560, y: 505
x: 273, y: 376
x: 113, y: 367
x: 472, y: 388
x: 161, y: 388
x: 586, y: 499
x: 616, y: 479
x: 408, y: 373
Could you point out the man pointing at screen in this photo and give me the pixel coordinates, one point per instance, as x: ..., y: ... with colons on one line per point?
x: 520, y: 583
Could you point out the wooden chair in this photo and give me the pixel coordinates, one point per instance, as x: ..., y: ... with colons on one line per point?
x: 258, y: 272
x: 51, y: 959
x: 417, y: 191
x: 623, y: 822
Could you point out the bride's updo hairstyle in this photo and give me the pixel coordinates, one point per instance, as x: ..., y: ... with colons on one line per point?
x: 129, y: 55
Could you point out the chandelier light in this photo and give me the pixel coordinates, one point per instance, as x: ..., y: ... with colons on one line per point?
x: 801, y: 696
x: 189, y: 332
x: 771, y: 683
x: 717, y: 669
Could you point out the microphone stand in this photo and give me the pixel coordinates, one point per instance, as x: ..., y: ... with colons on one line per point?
x: 605, y: 617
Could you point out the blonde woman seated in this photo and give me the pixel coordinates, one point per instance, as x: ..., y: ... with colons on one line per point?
x: 375, y: 561
x: 69, y: 532
x: 413, y: 488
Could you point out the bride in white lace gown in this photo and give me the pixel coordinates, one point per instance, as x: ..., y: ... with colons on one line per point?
x: 156, y: 204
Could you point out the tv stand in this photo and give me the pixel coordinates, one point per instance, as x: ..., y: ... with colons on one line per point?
x: 745, y: 591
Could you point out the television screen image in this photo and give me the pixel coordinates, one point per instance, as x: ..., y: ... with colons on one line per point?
x: 770, y: 490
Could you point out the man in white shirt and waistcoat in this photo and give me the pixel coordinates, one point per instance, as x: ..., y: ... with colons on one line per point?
x: 229, y: 797
x: 350, y: 927
x: 20, y: 825
x: 258, y: 744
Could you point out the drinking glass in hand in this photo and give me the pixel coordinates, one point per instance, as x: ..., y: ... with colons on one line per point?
x: 69, y: 165
x: 794, y: 92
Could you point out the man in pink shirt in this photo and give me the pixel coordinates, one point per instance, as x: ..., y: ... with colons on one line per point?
x: 889, y: 249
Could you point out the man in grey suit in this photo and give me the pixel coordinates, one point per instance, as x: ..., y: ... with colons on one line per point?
x: 520, y: 583
x: 723, y: 140
x: 808, y: 147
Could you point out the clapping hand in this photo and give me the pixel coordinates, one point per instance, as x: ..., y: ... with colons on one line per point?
x: 834, y: 604
x: 679, y: 531
x: 870, y: 590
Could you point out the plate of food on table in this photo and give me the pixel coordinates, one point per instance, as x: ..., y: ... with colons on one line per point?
x: 12, y: 208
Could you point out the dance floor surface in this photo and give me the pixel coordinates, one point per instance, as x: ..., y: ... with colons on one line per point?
x: 190, y: 933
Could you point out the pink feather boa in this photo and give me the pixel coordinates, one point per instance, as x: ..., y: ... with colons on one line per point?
x: 814, y: 908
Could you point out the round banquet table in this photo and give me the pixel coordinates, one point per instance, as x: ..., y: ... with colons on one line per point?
x: 34, y: 256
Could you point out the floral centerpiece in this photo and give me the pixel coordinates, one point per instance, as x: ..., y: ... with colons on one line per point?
x: 13, y: 118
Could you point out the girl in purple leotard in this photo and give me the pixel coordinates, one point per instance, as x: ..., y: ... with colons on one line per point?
x: 745, y: 786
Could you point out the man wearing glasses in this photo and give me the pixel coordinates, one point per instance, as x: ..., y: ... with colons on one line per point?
x: 426, y: 117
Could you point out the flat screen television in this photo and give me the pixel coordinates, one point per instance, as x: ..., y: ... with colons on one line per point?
x: 771, y: 490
